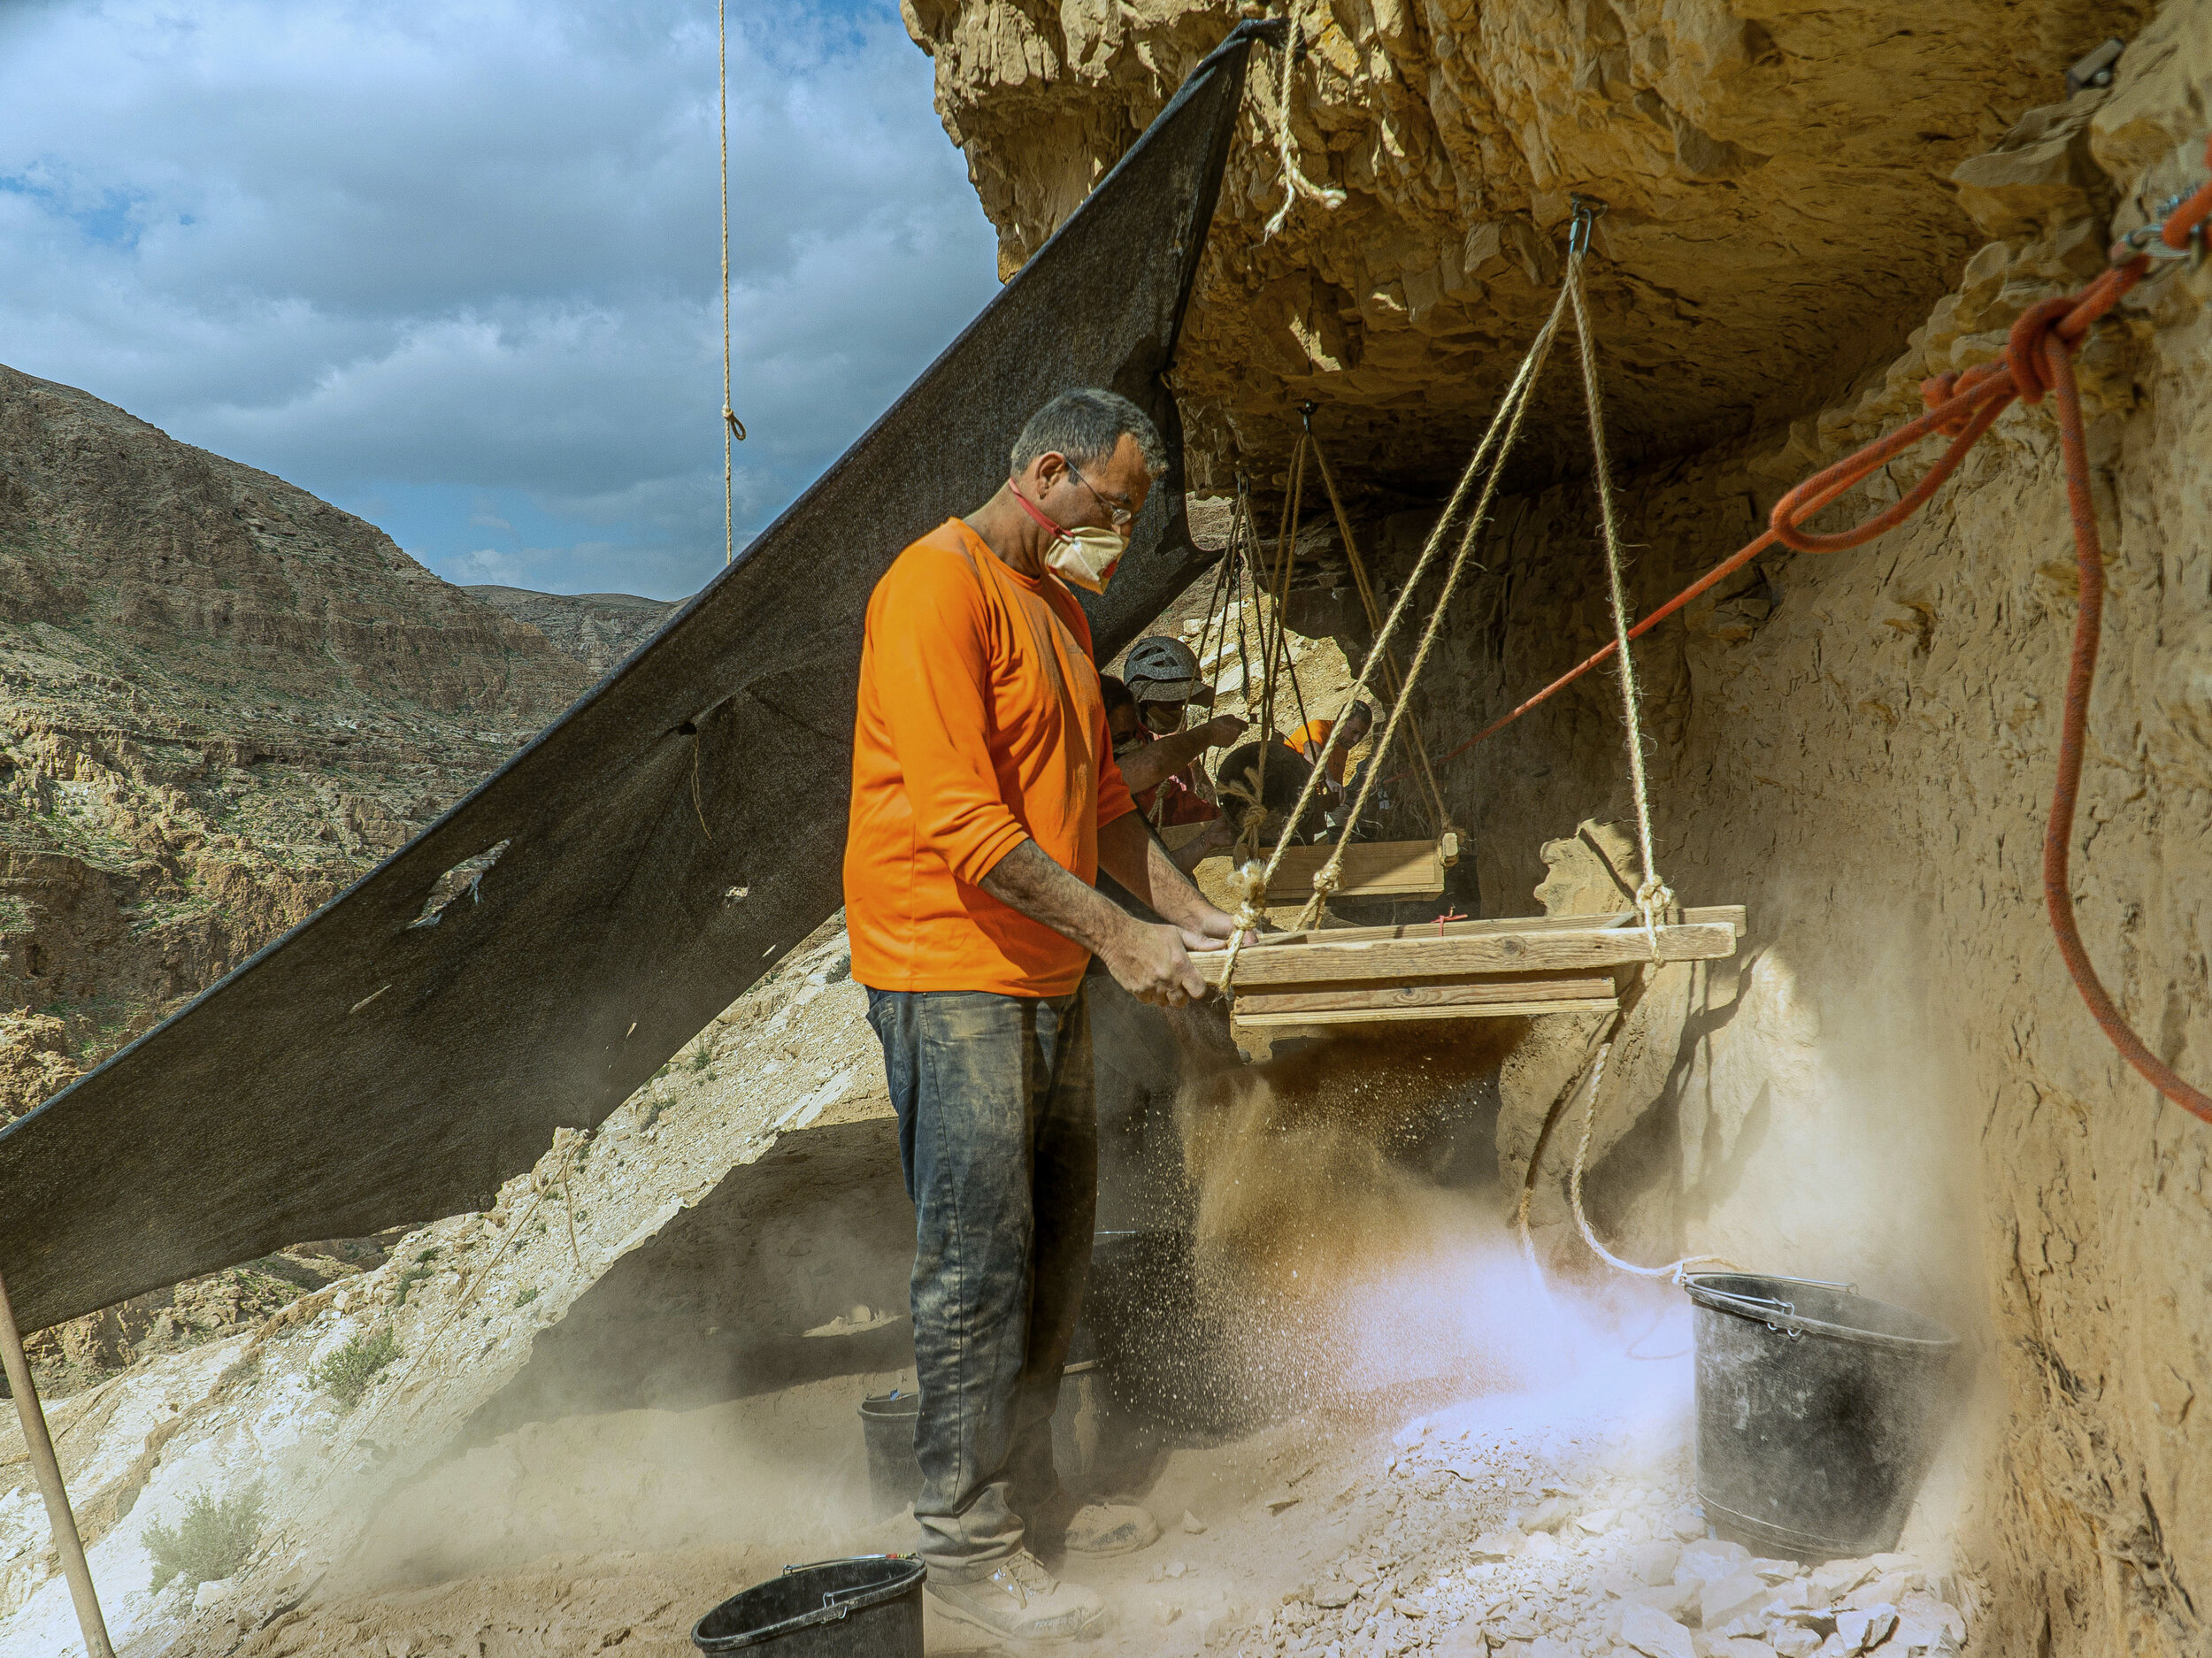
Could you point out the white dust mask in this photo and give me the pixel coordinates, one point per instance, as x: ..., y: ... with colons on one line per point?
x: 1084, y: 557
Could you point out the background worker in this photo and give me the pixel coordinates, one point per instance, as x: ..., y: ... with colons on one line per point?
x: 1162, y: 773
x: 1310, y: 739
x: 984, y: 800
x: 1162, y: 675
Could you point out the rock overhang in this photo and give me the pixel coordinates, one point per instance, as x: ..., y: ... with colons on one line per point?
x: 1781, y: 212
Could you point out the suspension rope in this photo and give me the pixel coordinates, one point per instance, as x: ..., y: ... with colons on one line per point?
x: 1652, y: 897
x: 1295, y: 183
x: 732, y: 427
x: 1439, y: 816
x: 2037, y: 361
x: 1331, y: 874
x: 1675, y: 1270
x: 1487, y: 464
x: 1289, y: 560
x: 1275, y: 647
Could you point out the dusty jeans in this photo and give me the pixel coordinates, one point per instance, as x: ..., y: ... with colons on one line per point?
x: 999, y: 1140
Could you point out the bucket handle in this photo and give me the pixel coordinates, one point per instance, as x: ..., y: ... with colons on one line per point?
x: 1789, y: 1326
x: 840, y: 1601
x: 1817, y: 1284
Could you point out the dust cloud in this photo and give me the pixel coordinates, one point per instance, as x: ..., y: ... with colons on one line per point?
x: 1352, y: 1241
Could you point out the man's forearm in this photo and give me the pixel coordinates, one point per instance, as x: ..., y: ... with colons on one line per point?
x: 1129, y: 852
x: 1027, y: 880
x: 1162, y: 758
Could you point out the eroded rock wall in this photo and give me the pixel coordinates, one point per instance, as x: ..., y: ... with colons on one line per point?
x: 220, y: 699
x: 1897, y: 1084
x: 1775, y: 173
x: 1900, y: 1086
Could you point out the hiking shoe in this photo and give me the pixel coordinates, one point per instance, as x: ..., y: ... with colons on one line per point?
x: 1109, y: 1528
x: 1023, y: 1602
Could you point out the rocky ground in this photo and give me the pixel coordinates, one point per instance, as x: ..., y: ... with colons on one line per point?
x: 1559, y: 1523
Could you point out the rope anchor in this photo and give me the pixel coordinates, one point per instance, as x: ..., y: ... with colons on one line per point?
x: 1588, y: 210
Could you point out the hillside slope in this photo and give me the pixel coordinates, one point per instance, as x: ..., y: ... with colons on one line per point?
x: 598, y: 629
x: 220, y: 699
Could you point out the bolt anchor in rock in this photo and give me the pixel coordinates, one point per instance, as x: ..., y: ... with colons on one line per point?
x: 1588, y: 210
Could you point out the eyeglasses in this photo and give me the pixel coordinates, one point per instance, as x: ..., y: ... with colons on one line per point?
x: 1116, y: 506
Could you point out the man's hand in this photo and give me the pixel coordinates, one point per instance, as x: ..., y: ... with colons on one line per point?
x: 1213, y: 931
x: 1221, y: 729
x: 1152, y: 964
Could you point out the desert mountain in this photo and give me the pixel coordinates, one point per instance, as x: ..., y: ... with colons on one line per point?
x: 598, y: 629
x: 221, y: 699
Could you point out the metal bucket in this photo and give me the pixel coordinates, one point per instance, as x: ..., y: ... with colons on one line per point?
x: 1818, y: 1411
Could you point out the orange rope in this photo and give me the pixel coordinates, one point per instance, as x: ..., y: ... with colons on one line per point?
x: 2038, y: 360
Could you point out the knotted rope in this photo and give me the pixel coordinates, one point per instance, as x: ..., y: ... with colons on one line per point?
x: 1295, y: 183
x: 1652, y: 897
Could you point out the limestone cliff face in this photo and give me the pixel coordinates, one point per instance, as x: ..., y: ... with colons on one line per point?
x: 598, y: 629
x: 1776, y: 173
x: 220, y: 699
x: 1813, y: 208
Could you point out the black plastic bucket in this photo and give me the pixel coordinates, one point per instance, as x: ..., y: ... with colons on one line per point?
x: 887, y: 1425
x: 1818, y: 1411
x: 867, y: 1606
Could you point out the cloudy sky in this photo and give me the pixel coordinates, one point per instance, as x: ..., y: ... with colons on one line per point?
x: 454, y: 265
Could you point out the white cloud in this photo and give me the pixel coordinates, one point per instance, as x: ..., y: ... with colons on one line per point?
x: 458, y: 263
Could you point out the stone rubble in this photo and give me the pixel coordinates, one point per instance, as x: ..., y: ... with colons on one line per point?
x: 1481, y: 1553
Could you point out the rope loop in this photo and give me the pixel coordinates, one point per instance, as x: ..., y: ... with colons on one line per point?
x: 2023, y: 347
x: 1674, y: 1270
x: 1295, y: 183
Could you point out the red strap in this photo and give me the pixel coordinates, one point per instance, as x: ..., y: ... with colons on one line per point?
x: 1031, y: 507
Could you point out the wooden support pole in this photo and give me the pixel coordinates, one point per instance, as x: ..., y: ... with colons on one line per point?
x: 48, y: 1471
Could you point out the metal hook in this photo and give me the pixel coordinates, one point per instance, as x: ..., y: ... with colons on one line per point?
x: 1588, y: 210
x: 1305, y: 414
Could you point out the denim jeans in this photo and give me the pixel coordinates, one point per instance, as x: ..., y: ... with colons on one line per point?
x: 999, y: 1141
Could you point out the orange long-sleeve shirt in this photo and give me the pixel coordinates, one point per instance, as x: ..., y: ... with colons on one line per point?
x: 980, y: 724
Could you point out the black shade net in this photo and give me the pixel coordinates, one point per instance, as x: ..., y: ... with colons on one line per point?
x: 658, y: 845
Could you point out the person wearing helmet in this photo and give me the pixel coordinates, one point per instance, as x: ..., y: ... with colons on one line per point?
x: 1162, y: 675
x: 1161, y: 678
x: 1161, y: 770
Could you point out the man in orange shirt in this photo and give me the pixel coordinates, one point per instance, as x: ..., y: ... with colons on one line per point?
x: 985, y: 800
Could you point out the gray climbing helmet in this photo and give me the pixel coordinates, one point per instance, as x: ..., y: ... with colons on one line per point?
x: 1162, y: 670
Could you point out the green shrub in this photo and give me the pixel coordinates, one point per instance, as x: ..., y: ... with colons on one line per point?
x: 346, y: 1374
x: 408, y: 1279
x: 211, y: 1542
x: 526, y: 1297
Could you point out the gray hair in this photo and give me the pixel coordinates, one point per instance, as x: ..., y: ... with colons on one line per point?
x: 1086, y: 425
